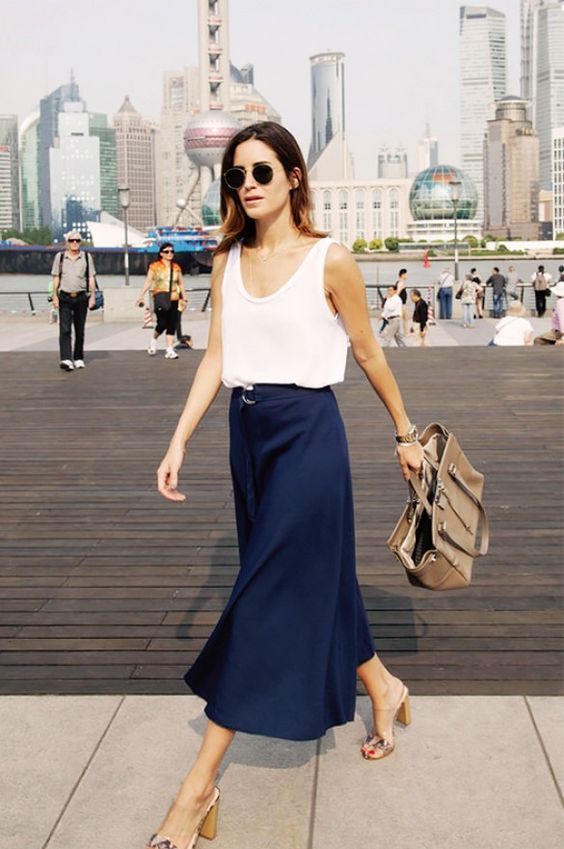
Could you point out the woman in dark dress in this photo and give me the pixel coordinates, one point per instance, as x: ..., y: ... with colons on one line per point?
x: 284, y: 656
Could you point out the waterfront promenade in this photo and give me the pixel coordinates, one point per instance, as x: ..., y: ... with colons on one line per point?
x: 108, y: 591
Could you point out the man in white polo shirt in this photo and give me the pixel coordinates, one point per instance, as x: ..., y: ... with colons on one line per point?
x: 74, y: 292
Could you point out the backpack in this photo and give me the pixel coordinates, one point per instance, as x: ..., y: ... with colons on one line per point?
x: 540, y: 283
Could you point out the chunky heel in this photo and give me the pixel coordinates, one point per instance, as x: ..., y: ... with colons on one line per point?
x: 404, y: 713
x: 209, y: 825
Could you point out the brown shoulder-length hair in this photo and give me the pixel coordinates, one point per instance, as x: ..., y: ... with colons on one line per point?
x: 236, y: 224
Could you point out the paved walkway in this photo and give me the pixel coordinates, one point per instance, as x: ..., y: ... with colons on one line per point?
x: 19, y: 333
x: 469, y: 773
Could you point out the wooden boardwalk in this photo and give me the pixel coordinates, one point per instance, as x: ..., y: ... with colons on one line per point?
x: 107, y: 588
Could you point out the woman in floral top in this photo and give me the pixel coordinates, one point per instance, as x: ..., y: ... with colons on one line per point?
x: 468, y: 290
x: 165, y: 280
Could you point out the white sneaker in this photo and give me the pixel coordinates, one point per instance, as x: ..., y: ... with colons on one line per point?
x: 152, y: 349
x: 66, y: 365
x: 79, y: 364
x: 171, y: 354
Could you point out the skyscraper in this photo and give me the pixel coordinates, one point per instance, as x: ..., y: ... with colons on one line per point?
x: 483, y: 81
x: 98, y: 127
x: 173, y: 168
x: 9, y: 140
x: 558, y: 180
x: 29, y: 164
x: 135, y: 152
x: 6, y: 198
x: 428, y: 150
x: 528, y: 38
x: 327, y: 102
x: 74, y: 169
x: 49, y: 107
x: 548, y: 92
x: 511, y: 173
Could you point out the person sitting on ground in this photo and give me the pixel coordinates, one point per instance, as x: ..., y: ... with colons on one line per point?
x: 393, y: 315
x: 514, y: 329
x: 555, y: 336
x: 420, y: 317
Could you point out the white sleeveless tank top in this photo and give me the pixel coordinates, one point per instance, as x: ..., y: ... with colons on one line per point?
x: 290, y: 336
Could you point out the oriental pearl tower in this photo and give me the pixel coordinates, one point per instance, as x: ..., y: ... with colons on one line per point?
x: 208, y: 132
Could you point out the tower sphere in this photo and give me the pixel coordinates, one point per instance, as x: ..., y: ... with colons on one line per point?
x: 430, y: 196
x: 206, y: 136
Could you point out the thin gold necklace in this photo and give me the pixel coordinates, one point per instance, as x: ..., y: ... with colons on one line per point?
x: 278, y: 250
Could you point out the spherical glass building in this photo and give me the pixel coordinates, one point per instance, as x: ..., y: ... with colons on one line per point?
x: 210, y: 205
x: 430, y: 197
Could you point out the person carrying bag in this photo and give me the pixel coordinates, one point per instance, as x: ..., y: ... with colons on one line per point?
x: 165, y: 280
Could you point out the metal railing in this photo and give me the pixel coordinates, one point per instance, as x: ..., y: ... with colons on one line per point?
x: 199, y: 298
x: 37, y: 300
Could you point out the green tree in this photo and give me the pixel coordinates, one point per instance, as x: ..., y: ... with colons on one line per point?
x: 560, y: 237
x: 359, y: 246
x: 392, y: 244
x: 471, y: 240
x: 375, y: 245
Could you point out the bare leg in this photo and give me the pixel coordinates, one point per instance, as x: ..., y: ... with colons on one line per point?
x: 196, y: 790
x: 384, y: 690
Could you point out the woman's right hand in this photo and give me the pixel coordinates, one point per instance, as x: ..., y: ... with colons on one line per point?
x: 167, y: 474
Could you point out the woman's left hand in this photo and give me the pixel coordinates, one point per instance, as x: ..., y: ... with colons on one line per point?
x: 410, y: 458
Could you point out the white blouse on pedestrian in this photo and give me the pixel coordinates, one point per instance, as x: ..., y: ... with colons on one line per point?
x: 290, y: 336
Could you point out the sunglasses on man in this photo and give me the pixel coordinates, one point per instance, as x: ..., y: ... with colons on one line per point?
x: 262, y: 174
x: 74, y: 240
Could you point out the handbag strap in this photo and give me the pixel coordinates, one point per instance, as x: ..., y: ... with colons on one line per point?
x: 417, y: 488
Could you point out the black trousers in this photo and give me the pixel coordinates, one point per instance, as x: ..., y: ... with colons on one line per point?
x: 540, y: 302
x: 72, y: 312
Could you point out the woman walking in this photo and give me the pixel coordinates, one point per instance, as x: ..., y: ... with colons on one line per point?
x: 165, y: 280
x: 284, y: 656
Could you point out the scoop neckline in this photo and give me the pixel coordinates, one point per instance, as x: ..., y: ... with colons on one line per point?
x: 289, y: 282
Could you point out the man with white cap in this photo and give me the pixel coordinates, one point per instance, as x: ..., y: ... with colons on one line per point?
x: 74, y: 293
x: 555, y: 336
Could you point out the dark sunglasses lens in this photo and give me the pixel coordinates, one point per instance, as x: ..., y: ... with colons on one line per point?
x: 263, y: 174
x: 234, y: 177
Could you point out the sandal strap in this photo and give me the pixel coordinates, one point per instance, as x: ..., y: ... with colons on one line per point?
x: 157, y: 842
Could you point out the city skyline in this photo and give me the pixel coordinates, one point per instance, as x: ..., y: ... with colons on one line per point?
x: 378, y: 114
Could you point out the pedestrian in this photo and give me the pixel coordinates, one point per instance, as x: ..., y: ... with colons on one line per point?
x: 541, y: 281
x: 561, y: 272
x: 479, y: 294
x: 283, y: 658
x: 164, y: 279
x: 513, y: 282
x: 445, y: 283
x: 514, y: 329
x: 555, y: 336
x: 498, y: 283
x: 468, y: 291
x: 74, y: 293
x: 420, y: 316
x: 401, y: 290
x: 393, y: 317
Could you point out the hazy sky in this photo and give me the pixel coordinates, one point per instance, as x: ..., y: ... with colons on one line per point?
x: 401, y: 59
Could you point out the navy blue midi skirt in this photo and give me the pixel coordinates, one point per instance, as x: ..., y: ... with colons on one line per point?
x: 282, y: 659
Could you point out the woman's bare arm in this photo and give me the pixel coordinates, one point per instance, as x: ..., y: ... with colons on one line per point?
x: 345, y: 287
x: 205, y: 386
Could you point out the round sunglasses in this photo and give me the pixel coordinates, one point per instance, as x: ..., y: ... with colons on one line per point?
x: 262, y: 172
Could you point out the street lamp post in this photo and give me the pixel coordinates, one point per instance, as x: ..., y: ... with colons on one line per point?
x: 455, y: 186
x: 124, y: 200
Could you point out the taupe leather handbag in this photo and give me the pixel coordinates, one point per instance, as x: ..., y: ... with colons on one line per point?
x: 444, y: 525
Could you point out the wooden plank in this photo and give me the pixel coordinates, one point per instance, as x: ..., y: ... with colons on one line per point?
x: 107, y: 588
